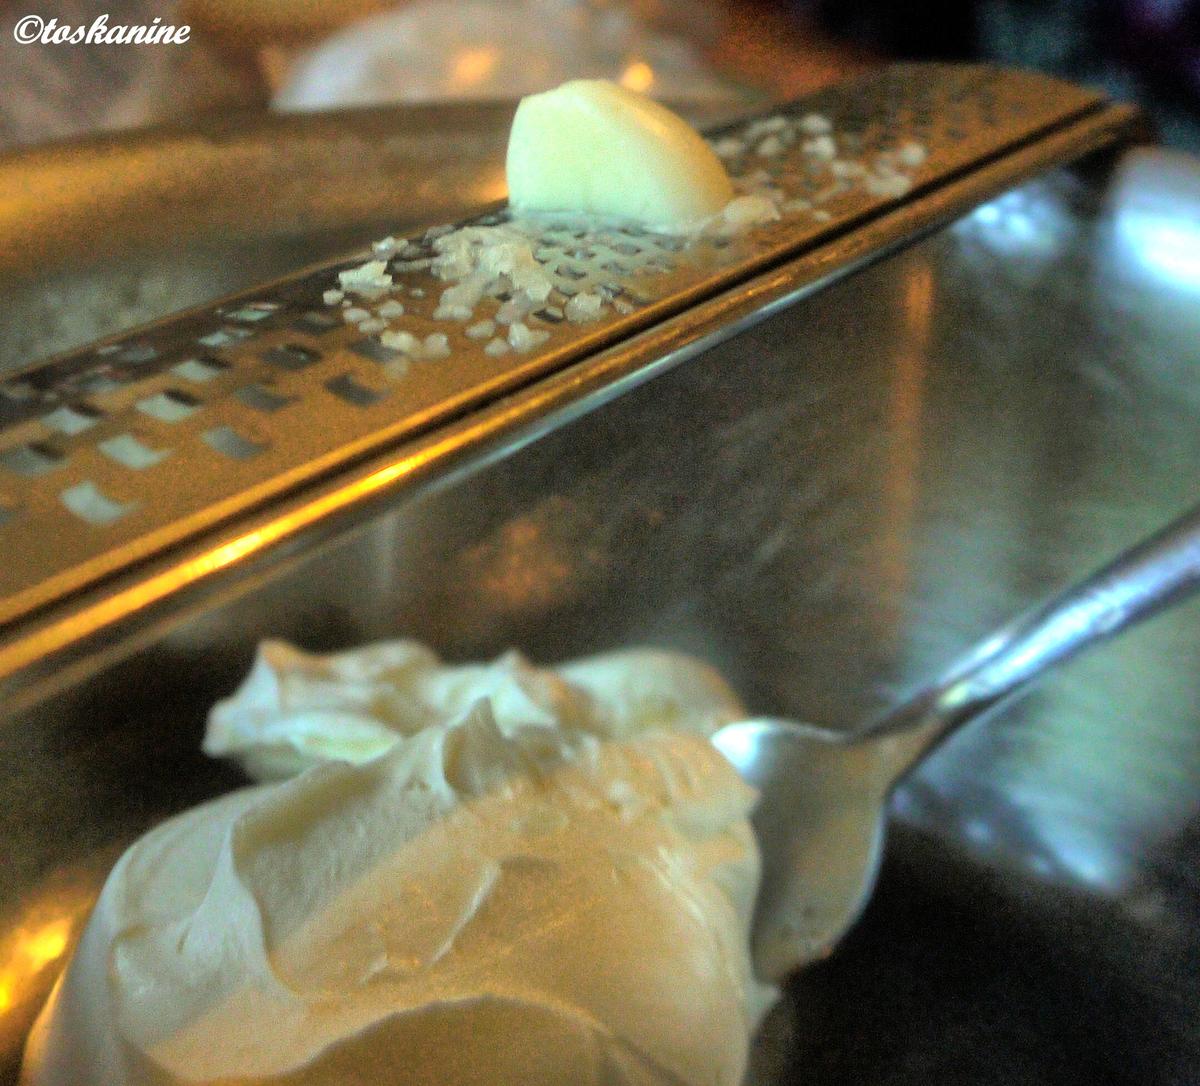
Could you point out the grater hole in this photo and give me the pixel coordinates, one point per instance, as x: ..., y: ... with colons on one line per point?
x: 128, y: 451
x: 254, y: 312
x: 6, y: 514
x: 223, y: 337
x: 88, y: 502
x: 374, y: 350
x: 200, y: 370
x: 291, y: 356
x: 36, y: 458
x: 18, y: 391
x: 100, y: 380
x: 345, y: 387
x: 316, y: 323
x: 73, y: 418
x: 137, y: 353
x: 169, y: 406
x: 229, y: 442
x: 262, y: 398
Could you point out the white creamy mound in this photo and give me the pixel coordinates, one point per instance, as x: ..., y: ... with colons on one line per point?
x: 541, y: 878
x: 296, y: 709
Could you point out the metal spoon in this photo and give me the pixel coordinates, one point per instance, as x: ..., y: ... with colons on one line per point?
x: 821, y: 813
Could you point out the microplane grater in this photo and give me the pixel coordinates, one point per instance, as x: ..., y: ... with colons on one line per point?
x: 113, y: 453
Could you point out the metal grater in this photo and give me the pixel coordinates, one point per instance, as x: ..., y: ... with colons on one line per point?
x: 154, y: 451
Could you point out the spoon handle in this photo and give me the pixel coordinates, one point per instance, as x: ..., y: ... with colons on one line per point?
x: 1145, y: 579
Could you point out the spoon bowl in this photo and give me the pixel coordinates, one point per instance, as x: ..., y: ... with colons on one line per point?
x: 823, y: 794
x: 815, y: 883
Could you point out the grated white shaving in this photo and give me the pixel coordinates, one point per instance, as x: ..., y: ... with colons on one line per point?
x: 404, y: 342
x: 496, y: 347
x: 451, y: 311
x: 485, y: 254
x: 372, y: 325
x: 891, y: 185
x: 515, y: 309
x: 355, y: 315
x: 766, y: 127
x: 745, y: 211
x: 332, y: 297
x: 391, y: 309
x: 583, y: 308
x: 912, y: 155
x: 384, y: 246
x: 847, y: 169
x: 436, y: 345
x: 523, y: 338
x: 815, y: 124
x: 481, y: 330
x: 770, y: 147
x: 729, y: 147
x: 820, y: 147
x: 370, y: 276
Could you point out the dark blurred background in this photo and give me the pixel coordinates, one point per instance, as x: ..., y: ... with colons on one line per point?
x: 1148, y: 50
x: 305, y: 54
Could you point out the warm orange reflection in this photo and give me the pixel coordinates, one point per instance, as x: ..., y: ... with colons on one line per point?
x: 638, y: 76
x: 148, y: 592
x: 527, y: 564
x: 904, y: 426
x: 32, y: 943
x: 29, y: 954
x: 493, y: 186
x: 471, y: 67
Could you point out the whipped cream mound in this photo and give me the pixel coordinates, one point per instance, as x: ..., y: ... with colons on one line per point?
x: 595, y: 147
x: 296, y: 710
x: 540, y: 877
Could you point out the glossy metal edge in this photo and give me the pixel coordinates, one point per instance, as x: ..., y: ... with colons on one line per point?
x: 91, y: 630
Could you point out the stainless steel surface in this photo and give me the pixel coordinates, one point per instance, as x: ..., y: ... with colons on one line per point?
x: 823, y: 794
x: 983, y: 128
x: 827, y: 506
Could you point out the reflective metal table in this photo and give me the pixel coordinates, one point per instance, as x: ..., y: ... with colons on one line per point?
x: 828, y: 507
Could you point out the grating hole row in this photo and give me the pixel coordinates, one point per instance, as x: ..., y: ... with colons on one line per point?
x: 32, y: 458
x: 229, y: 442
x: 291, y: 357
x: 128, y: 451
x: 345, y: 387
x: 88, y: 502
x: 170, y: 406
x: 200, y: 370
